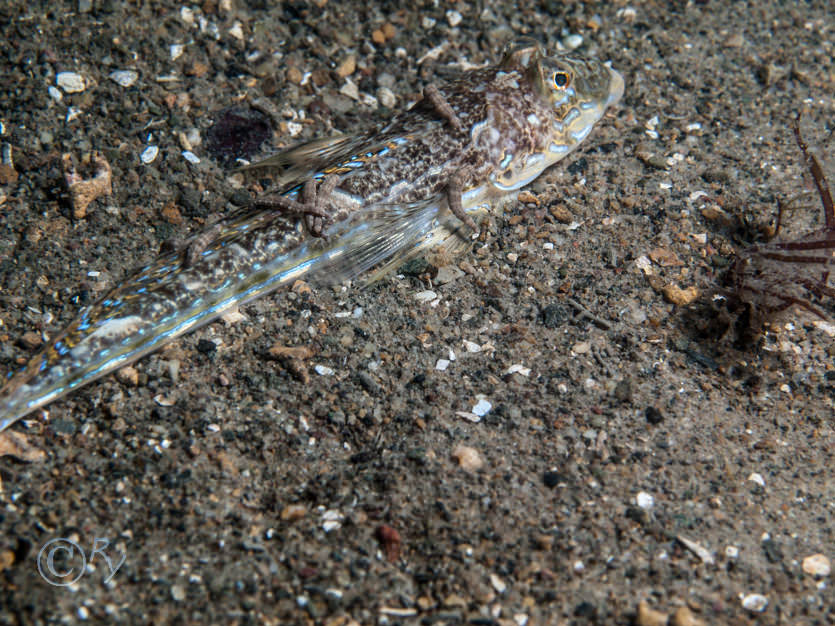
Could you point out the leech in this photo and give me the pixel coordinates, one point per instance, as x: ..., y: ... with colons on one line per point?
x: 433, y: 95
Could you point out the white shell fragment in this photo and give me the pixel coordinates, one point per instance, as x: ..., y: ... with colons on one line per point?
x: 73, y: 113
x: 55, y: 93
x: 149, y: 154
x: 482, y: 407
x: 471, y: 346
x: 176, y: 50
x: 237, y: 31
x: 323, y: 370
x: 757, y: 478
x: 498, y: 584
x: 518, y: 368
x: 332, y: 520
x: 700, y: 551
x: 189, y: 156
x: 70, y: 82
x: 425, y: 296
x: 644, y: 500
x: 754, y: 602
x: 125, y: 78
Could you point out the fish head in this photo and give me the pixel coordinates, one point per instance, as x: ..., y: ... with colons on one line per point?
x: 578, y: 89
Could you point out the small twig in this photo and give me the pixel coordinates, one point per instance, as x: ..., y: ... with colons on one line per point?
x: 584, y: 312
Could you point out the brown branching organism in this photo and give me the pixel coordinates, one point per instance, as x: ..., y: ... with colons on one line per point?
x: 773, y: 277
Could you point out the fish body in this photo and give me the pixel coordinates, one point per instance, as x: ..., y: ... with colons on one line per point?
x: 390, y: 202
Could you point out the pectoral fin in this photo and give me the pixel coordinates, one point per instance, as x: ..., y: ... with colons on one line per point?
x: 385, y: 234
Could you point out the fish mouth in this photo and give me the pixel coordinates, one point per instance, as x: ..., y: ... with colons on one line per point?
x: 616, y: 87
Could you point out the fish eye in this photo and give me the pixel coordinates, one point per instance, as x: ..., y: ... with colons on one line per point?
x: 561, y: 79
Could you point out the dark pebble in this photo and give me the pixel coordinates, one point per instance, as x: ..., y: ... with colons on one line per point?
x: 204, y: 346
x: 637, y: 514
x: 554, y: 316
x: 772, y: 551
x: 623, y: 390
x: 552, y: 479
x: 586, y: 610
x: 190, y: 200
x: 578, y: 167
x: 63, y: 427
x: 239, y: 198
x: 368, y: 383
x: 654, y: 416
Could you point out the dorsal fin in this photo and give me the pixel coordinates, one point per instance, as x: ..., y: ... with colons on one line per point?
x: 302, y: 161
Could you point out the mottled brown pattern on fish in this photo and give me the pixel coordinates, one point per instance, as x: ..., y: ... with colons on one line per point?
x: 433, y: 151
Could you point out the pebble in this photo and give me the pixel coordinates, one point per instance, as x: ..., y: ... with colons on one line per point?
x: 189, y: 156
x: 454, y: 18
x: 678, y: 296
x: 347, y: 67
x: 684, y: 617
x: 817, y: 565
x: 293, y: 512
x: 649, y: 617
x: 350, y: 89
x: 178, y: 593
x: 125, y: 78
x: 754, y: 602
x: 323, y: 370
x: 149, y: 154
x: 6, y: 559
x: 390, y: 541
x: 386, y: 97
x: 441, y: 365
x: 70, y: 82
x: 176, y: 50
x: 378, y: 37
x: 468, y: 458
x: 572, y: 42
x: 128, y: 376
x: 55, y: 93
